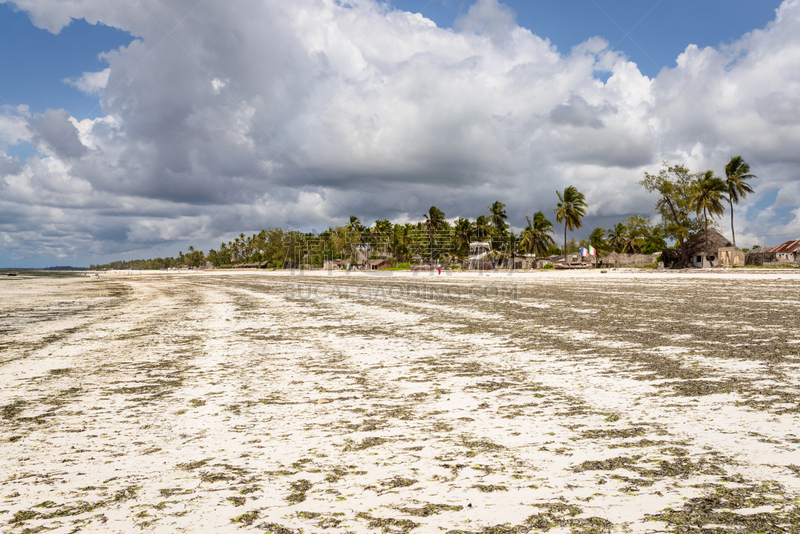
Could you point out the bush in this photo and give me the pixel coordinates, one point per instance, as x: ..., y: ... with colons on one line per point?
x: 549, y: 266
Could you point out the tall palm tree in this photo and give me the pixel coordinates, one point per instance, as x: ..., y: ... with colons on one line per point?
x: 434, y: 222
x: 709, y: 194
x: 570, y: 210
x: 737, y: 172
x: 498, y: 217
x: 536, y: 238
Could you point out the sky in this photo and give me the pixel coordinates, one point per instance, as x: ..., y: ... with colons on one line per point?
x: 133, y: 130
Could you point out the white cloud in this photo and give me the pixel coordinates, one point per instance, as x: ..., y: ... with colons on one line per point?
x: 13, y: 128
x: 93, y: 83
x: 301, y: 113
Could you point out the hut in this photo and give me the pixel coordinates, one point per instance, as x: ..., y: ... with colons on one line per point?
x: 374, y: 265
x: 709, y: 248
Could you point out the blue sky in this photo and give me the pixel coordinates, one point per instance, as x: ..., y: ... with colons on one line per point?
x: 169, y: 161
x: 659, y: 29
x: 34, y: 61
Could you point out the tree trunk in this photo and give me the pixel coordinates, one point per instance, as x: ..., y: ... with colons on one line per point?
x: 685, y: 260
x: 705, y: 216
x: 733, y: 234
x: 565, y: 239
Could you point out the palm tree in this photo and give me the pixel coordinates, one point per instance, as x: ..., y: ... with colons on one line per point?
x: 628, y: 238
x: 398, y: 243
x: 618, y: 237
x: 354, y: 224
x: 382, y: 232
x: 383, y: 227
x: 483, y: 227
x: 510, y: 246
x: 536, y: 237
x: 462, y: 232
x: 571, y: 209
x: 737, y: 171
x: 434, y: 221
x: 498, y: 217
x: 654, y: 241
x: 709, y: 194
x: 597, y: 238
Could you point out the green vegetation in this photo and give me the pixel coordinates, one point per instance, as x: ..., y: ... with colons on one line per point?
x: 684, y: 195
x: 433, y: 239
x: 570, y: 209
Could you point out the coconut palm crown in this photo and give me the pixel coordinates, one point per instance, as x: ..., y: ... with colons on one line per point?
x: 536, y: 236
x: 498, y: 217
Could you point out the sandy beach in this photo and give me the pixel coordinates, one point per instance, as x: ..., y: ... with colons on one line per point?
x: 401, y: 402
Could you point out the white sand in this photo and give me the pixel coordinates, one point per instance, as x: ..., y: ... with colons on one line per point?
x: 193, y: 402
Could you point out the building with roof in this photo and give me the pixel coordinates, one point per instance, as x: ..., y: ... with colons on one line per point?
x: 712, y: 249
x: 374, y: 265
x: 621, y: 260
x: 788, y: 252
x: 480, y: 253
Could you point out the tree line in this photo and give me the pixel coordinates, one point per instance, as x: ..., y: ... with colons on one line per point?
x: 686, y: 201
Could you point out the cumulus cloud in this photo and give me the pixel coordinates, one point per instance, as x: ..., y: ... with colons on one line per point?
x: 54, y: 132
x: 578, y: 112
x: 92, y: 83
x: 301, y: 113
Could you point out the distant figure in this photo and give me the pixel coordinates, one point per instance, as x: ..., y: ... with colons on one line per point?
x: 440, y: 270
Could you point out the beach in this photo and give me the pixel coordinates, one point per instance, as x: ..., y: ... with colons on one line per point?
x: 576, y: 401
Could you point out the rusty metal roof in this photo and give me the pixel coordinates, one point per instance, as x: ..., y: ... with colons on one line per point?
x: 789, y: 246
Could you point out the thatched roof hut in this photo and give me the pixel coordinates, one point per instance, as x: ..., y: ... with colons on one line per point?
x: 713, y: 239
x: 378, y: 264
x: 704, y: 249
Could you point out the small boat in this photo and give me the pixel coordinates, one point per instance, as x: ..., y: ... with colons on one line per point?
x: 11, y: 274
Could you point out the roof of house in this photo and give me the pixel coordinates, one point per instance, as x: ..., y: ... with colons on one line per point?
x: 376, y: 262
x: 789, y: 246
x: 715, y: 240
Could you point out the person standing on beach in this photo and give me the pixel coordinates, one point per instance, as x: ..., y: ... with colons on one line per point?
x: 440, y: 270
